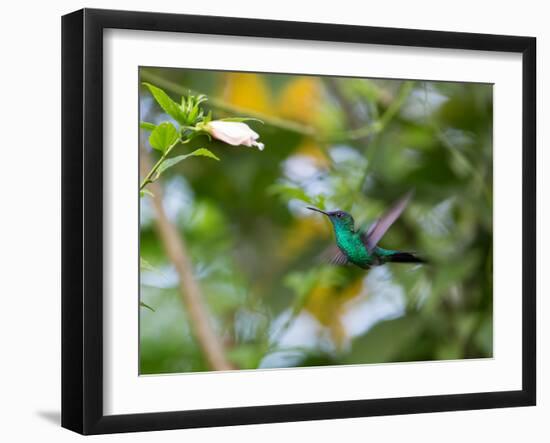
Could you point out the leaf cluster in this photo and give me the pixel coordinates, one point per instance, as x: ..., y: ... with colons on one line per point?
x: 165, y: 136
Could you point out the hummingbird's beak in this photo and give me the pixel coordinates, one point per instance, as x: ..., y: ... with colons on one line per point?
x: 317, y: 210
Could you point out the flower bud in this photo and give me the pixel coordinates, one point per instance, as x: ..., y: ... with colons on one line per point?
x: 233, y: 133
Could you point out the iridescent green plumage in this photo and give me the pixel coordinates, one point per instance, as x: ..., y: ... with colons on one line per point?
x: 361, y: 247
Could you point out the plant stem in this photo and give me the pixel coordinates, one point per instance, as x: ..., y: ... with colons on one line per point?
x: 359, y: 133
x: 196, y: 309
x: 454, y: 150
x: 149, y: 177
x: 384, y: 120
x: 224, y: 106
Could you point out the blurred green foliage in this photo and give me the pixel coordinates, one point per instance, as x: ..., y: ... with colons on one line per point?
x: 347, y: 143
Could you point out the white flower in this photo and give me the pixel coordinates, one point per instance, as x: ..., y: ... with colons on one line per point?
x: 233, y: 133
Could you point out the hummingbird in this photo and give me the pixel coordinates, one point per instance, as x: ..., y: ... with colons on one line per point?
x: 360, y: 247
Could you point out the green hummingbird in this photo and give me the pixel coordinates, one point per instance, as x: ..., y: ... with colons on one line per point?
x: 361, y: 247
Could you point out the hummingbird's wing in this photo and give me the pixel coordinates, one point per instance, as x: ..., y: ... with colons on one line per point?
x: 339, y: 258
x: 335, y: 256
x: 377, y: 230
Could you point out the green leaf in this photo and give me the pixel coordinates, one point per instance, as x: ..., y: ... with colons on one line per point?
x: 386, y: 340
x: 144, y: 305
x: 200, y: 99
x: 167, y: 104
x: 246, y: 356
x: 193, y: 114
x: 288, y: 191
x: 241, y: 119
x: 203, y: 152
x: 145, y: 192
x: 168, y: 163
x: 147, y: 126
x: 163, y: 136
x: 144, y: 264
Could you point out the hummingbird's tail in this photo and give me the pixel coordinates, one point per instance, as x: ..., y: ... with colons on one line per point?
x: 405, y: 257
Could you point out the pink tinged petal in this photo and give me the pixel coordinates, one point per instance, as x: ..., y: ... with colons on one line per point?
x: 234, y: 133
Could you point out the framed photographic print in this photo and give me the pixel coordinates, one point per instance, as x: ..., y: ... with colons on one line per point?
x: 269, y: 221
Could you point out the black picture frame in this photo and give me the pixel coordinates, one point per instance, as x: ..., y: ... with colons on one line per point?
x: 82, y: 219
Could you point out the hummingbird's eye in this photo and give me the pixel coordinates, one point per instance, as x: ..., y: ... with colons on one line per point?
x: 339, y: 215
